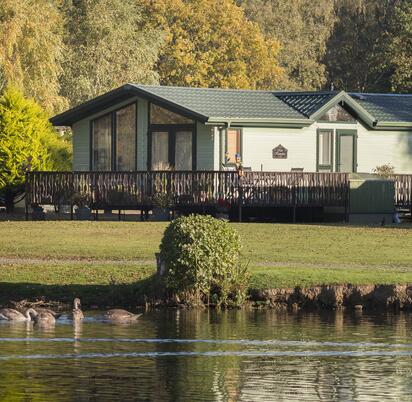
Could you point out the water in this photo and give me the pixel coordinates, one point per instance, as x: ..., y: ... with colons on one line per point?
x: 211, y: 356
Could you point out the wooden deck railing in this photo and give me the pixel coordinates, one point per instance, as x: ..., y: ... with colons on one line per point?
x: 403, y: 190
x: 209, y: 188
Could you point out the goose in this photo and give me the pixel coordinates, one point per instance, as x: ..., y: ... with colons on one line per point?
x: 77, y: 313
x: 118, y: 314
x: 47, y: 310
x: 42, y: 317
x: 10, y: 314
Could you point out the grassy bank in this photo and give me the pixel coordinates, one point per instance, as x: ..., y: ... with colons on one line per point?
x: 110, y: 260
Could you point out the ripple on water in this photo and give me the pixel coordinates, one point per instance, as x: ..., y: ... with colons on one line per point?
x: 189, y: 356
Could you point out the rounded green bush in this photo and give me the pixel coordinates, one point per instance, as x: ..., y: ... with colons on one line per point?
x: 202, y: 259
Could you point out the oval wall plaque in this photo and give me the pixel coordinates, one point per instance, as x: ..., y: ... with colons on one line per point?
x: 280, y: 152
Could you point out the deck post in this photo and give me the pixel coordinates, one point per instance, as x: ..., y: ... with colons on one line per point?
x: 26, y: 200
x: 240, y: 197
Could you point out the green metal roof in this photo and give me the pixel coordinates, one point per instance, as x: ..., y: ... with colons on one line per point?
x: 225, y: 103
x: 386, y: 107
x: 247, y: 107
x: 306, y: 103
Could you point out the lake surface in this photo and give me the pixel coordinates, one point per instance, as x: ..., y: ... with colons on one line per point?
x: 211, y: 356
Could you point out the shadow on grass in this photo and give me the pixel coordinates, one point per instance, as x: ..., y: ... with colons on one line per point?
x: 111, y: 295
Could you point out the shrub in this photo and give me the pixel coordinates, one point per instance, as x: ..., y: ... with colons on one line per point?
x: 384, y: 171
x: 202, y: 259
x: 27, y: 142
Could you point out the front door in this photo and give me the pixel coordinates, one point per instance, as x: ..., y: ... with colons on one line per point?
x: 346, y: 145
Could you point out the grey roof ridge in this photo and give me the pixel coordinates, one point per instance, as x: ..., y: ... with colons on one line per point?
x: 201, y: 88
x: 377, y: 94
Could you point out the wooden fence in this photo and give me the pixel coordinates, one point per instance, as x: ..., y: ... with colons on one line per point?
x: 127, y: 190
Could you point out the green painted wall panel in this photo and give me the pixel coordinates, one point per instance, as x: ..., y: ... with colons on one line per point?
x: 205, y: 147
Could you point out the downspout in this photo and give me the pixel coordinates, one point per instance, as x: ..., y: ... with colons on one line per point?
x: 223, y: 136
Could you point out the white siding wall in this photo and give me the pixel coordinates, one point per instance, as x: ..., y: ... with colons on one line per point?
x: 374, y: 148
x: 258, y: 144
x: 383, y: 147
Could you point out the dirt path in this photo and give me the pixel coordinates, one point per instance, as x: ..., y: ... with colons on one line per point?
x: 10, y: 260
x: 69, y: 260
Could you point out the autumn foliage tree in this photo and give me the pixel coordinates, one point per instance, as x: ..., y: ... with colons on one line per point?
x: 107, y: 46
x: 31, y: 50
x: 303, y: 28
x: 210, y: 43
x: 399, y: 48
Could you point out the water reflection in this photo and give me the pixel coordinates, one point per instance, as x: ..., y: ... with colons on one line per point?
x: 208, y: 355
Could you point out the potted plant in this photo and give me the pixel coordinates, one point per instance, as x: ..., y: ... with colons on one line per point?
x: 38, y: 213
x: 83, y: 211
x: 161, y: 202
x: 223, y: 209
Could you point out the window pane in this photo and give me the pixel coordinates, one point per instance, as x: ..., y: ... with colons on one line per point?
x: 159, y: 115
x: 183, y: 153
x: 126, y: 138
x: 337, y: 113
x: 233, y: 145
x: 102, y: 143
x: 160, y: 150
x: 325, y: 148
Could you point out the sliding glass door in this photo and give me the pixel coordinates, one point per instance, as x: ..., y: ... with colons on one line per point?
x: 183, y: 150
x: 160, y: 150
x: 171, y: 149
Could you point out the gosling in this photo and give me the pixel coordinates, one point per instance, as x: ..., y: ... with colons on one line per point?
x: 42, y: 318
x: 120, y: 315
x: 77, y: 313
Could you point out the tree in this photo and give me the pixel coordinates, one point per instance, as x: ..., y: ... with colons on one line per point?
x: 27, y: 141
x: 107, y: 46
x: 31, y: 50
x: 302, y: 27
x: 400, y: 48
x: 356, y: 58
x: 210, y: 43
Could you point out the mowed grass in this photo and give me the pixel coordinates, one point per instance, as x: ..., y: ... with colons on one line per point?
x: 101, y: 253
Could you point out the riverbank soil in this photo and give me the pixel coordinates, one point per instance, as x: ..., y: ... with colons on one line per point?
x: 113, y: 263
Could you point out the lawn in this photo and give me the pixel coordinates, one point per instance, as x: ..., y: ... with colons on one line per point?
x: 49, y: 255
